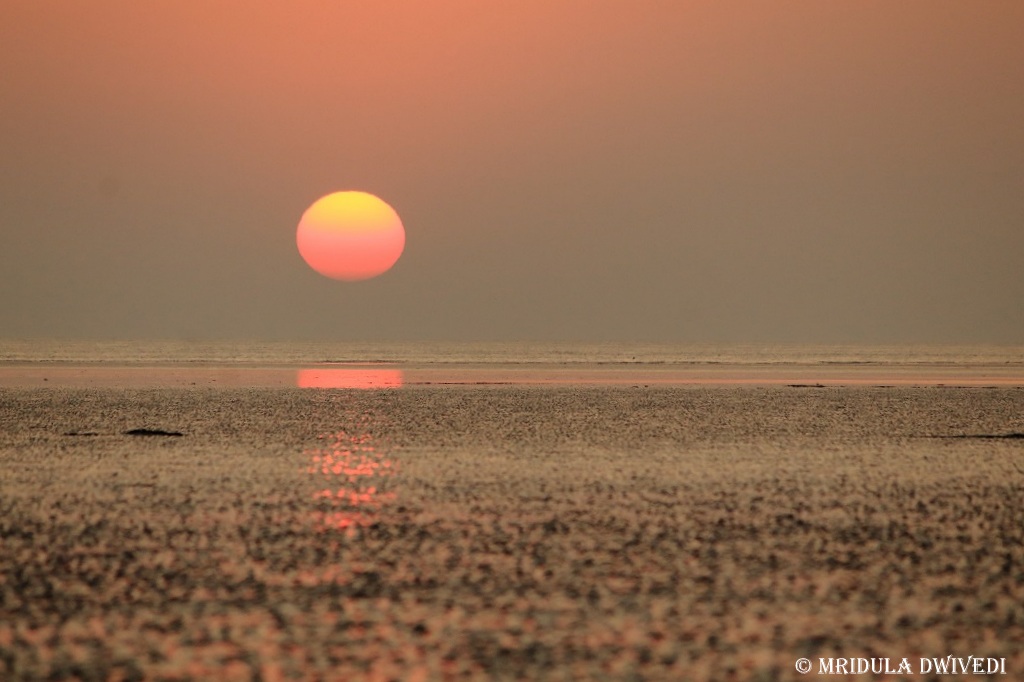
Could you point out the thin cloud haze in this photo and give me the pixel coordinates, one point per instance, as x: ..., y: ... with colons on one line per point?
x: 795, y: 171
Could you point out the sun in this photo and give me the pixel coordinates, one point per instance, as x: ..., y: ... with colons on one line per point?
x: 350, y: 236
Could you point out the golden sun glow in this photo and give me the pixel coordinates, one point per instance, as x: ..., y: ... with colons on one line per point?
x: 350, y: 236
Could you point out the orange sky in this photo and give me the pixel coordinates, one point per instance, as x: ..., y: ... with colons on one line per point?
x: 797, y: 171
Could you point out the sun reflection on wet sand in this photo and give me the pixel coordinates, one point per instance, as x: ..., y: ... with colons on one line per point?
x: 349, y: 377
x: 352, y: 480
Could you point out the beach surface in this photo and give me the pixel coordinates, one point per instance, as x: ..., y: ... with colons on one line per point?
x: 524, y: 531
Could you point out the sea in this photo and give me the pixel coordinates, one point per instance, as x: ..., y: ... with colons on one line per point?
x: 301, y: 353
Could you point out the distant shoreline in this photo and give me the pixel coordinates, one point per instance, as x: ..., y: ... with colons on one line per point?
x: 532, y: 353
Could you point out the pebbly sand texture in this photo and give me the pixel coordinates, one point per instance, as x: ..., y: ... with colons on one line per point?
x: 506, y: 532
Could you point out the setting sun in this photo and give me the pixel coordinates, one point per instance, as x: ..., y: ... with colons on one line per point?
x: 350, y: 236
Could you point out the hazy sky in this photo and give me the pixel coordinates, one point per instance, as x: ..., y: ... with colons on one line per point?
x: 817, y: 171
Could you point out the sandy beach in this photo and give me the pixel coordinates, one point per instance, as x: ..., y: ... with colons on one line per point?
x: 507, y: 532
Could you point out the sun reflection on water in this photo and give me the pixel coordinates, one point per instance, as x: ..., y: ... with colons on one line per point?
x: 349, y: 377
x: 353, y: 479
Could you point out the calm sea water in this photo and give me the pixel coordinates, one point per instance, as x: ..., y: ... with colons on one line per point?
x: 429, y: 353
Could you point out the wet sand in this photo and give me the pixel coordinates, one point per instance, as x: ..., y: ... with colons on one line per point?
x: 475, y: 531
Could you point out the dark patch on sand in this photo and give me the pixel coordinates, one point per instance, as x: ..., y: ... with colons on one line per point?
x: 987, y: 436
x: 152, y: 432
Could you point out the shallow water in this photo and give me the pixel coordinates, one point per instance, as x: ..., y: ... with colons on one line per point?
x: 396, y: 365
